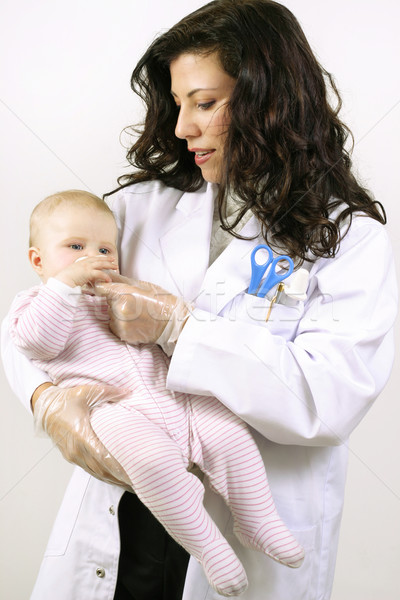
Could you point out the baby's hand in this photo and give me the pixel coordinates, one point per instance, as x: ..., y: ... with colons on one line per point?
x: 88, y: 269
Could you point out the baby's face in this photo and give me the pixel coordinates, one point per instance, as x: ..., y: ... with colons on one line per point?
x: 71, y: 233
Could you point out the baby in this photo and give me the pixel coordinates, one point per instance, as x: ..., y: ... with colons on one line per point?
x: 155, y: 434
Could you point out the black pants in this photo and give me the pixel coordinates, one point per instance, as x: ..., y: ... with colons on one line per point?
x: 152, y: 566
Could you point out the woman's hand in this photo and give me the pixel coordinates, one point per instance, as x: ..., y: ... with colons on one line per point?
x: 64, y: 414
x: 140, y: 312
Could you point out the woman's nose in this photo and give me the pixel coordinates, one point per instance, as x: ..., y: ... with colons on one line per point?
x: 186, y: 126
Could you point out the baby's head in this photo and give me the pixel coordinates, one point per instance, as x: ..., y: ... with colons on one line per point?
x: 67, y: 226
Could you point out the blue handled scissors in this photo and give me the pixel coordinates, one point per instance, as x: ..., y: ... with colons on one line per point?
x: 258, y: 271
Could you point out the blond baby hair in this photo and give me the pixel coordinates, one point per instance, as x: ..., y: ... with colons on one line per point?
x: 69, y: 197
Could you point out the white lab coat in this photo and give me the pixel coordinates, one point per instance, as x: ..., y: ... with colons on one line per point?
x: 303, y: 381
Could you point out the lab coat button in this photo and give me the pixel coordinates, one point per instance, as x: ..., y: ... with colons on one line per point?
x: 111, y: 510
x: 100, y: 572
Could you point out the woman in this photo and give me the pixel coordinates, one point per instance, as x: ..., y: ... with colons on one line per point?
x: 238, y: 133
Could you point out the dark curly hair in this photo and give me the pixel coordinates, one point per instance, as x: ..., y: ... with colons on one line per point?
x: 284, y: 155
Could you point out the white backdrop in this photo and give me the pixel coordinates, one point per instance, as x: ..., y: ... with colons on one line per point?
x: 64, y: 99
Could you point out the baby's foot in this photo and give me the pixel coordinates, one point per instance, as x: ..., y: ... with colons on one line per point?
x: 223, y: 569
x: 275, y: 540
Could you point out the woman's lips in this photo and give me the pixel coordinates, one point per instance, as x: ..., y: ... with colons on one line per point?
x: 201, y: 156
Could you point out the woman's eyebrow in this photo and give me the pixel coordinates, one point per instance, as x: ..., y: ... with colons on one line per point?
x: 192, y: 92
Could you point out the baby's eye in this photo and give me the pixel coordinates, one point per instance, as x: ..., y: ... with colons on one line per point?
x: 104, y: 251
x: 76, y: 246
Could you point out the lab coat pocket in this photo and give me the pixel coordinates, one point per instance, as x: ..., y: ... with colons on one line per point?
x: 306, y: 537
x: 280, y: 319
x: 270, y: 580
x: 67, y: 515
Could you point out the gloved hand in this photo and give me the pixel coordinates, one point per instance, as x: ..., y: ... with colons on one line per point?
x: 64, y: 414
x: 142, y: 312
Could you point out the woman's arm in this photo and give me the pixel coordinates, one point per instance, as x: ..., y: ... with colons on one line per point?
x: 36, y: 394
x: 308, y: 382
x: 315, y: 389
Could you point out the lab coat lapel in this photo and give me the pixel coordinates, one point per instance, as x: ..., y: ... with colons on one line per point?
x: 185, y: 246
x: 231, y: 272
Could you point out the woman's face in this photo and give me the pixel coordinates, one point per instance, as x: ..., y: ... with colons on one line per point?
x: 201, y: 89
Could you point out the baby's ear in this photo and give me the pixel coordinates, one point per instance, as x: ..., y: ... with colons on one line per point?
x: 35, y: 259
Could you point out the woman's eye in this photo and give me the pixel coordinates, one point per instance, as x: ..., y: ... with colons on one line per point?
x: 104, y: 251
x: 76, y: 246
x: 206, y: 105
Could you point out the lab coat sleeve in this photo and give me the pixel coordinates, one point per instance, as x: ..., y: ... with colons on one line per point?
x: 314, y: 389
x: 41, y: 319
x: 22, y: 375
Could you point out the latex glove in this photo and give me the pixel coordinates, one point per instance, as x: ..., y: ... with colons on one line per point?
x: 64, y: 414
x: 142, y: 312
